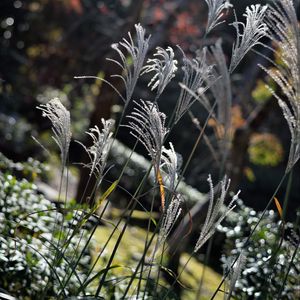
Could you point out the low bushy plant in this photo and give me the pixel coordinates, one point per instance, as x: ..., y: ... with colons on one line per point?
x: 267, y: 255
x: 29, y: 238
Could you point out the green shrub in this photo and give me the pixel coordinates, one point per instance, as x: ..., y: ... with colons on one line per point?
x: 262, y: 275
x: 30, y: 228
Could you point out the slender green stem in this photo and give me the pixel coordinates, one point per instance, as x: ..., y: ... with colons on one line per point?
x: 206, y: 260
x: 290, y: 265
x: 178, y: 276
x: 139, y: 264
x: 160, y: 264
x: 136, y: 194
x: 146, y: 241
x: 287, y: 194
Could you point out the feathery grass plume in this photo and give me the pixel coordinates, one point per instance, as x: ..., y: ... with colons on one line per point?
x: 164, y: 66
x: 215, y: 215
x: 137, y: 54
x: 196, y: 73
x: 148, y: 126
x: 170, y: 163
x: 170, y: 216
x: 61, y: 125
x: 285, y: 33
x: 235, y: 273
x: 249, y: 35
x: 215, y: 13
x: 221, y: 89
x: 99, y: 150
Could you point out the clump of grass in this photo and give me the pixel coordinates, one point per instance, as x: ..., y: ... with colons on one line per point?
x: 207, y: 73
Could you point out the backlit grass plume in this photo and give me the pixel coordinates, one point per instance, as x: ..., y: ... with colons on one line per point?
x: 196, y: 75
x: 61, y: 125
x: 285, y: 34
x: 164, y: 66
x: 248, y: 34
x: 216, y: 211
x: 99, y: 150
x: 215, y: 13
x: 148, y: 126
x: 170, y: 216
x: 132, y: 60
x: 170, y: 164
x: 235, y: 273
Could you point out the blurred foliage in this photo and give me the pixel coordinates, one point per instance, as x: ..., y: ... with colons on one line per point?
x: 30, y: 227
x: 266, y: 264
x: 29, y: 169
x: 38, y: 60
x: 265, y: 149
x: 261, y: 93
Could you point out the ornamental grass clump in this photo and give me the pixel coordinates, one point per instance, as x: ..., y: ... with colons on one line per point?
x: 46, y: 248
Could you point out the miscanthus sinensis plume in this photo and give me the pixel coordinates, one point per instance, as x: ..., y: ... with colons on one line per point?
x: 248, y: 34
x: 196, y: 74
x: 148, y: 126
x: 170, y: 165
x: 284, y: 32
x: 164, y: 66
x: 215, y: 13
x: 132, y: 57
x: 217, y: 211
x: 99, y: 150
x: 170, y: 216
x: 61, y: 125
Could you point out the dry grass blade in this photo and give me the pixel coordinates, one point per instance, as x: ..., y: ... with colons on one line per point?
x: 278, y: 206
x: 161, y: 189
x: 221, y: 89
